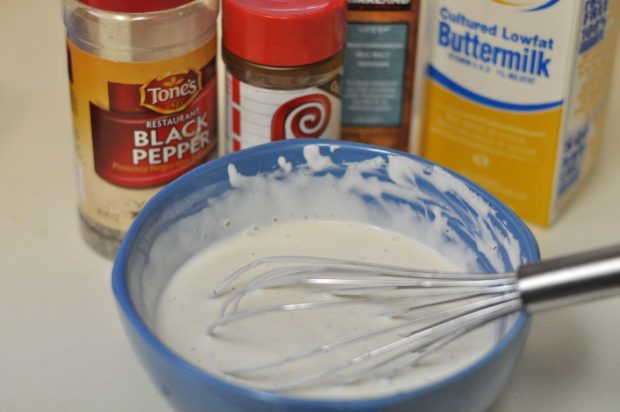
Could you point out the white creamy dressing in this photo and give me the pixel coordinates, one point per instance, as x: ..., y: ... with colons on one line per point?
x: 186, y: 311
x: 296, y: 212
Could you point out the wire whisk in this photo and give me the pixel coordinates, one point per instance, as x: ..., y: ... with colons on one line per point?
x: 432, y: 308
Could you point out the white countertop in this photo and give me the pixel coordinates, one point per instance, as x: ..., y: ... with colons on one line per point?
x: 62, y: 347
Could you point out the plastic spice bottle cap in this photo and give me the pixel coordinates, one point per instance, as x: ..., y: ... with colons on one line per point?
x: 284, y: 33
x: 134, y: 6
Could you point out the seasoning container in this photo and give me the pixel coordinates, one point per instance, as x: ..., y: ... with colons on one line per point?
x: 377, y: 86
x: 283, y: 62
x: 143, y: 93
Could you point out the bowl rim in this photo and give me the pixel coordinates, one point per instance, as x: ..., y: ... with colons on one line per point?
x: 530, y: 250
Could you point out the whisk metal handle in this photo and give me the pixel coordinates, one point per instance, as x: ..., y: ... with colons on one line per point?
x: 563, y: 280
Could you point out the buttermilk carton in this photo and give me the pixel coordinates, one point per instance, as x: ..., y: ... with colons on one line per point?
x: 513, y: 94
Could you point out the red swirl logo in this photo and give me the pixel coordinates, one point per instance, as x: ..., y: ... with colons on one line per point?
x: 304, y: 117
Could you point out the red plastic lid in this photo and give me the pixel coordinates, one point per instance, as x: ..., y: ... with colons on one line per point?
x: 134, y: 6
x: 284, y: 33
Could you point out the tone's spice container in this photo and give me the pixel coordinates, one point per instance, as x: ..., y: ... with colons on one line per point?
x: 516, y: 95
x: 377, y: 86
x: 283, y: 62
x: 143, y: 91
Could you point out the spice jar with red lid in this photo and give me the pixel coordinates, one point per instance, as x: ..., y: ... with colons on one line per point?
x: 143, y: 93
x: 283, y: 62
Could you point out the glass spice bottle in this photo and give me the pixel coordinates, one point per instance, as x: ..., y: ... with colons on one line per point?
x: 283, y: 62
x: 143, y: 93
x: 379, y: 72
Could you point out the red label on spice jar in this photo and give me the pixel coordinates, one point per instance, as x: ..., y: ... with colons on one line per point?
x: 156, y: 131
x: 256, y: 115
x: 303, y: 117
x: 138, y: 125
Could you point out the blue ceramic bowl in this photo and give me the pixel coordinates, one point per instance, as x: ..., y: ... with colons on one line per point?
x: 472, y: 219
